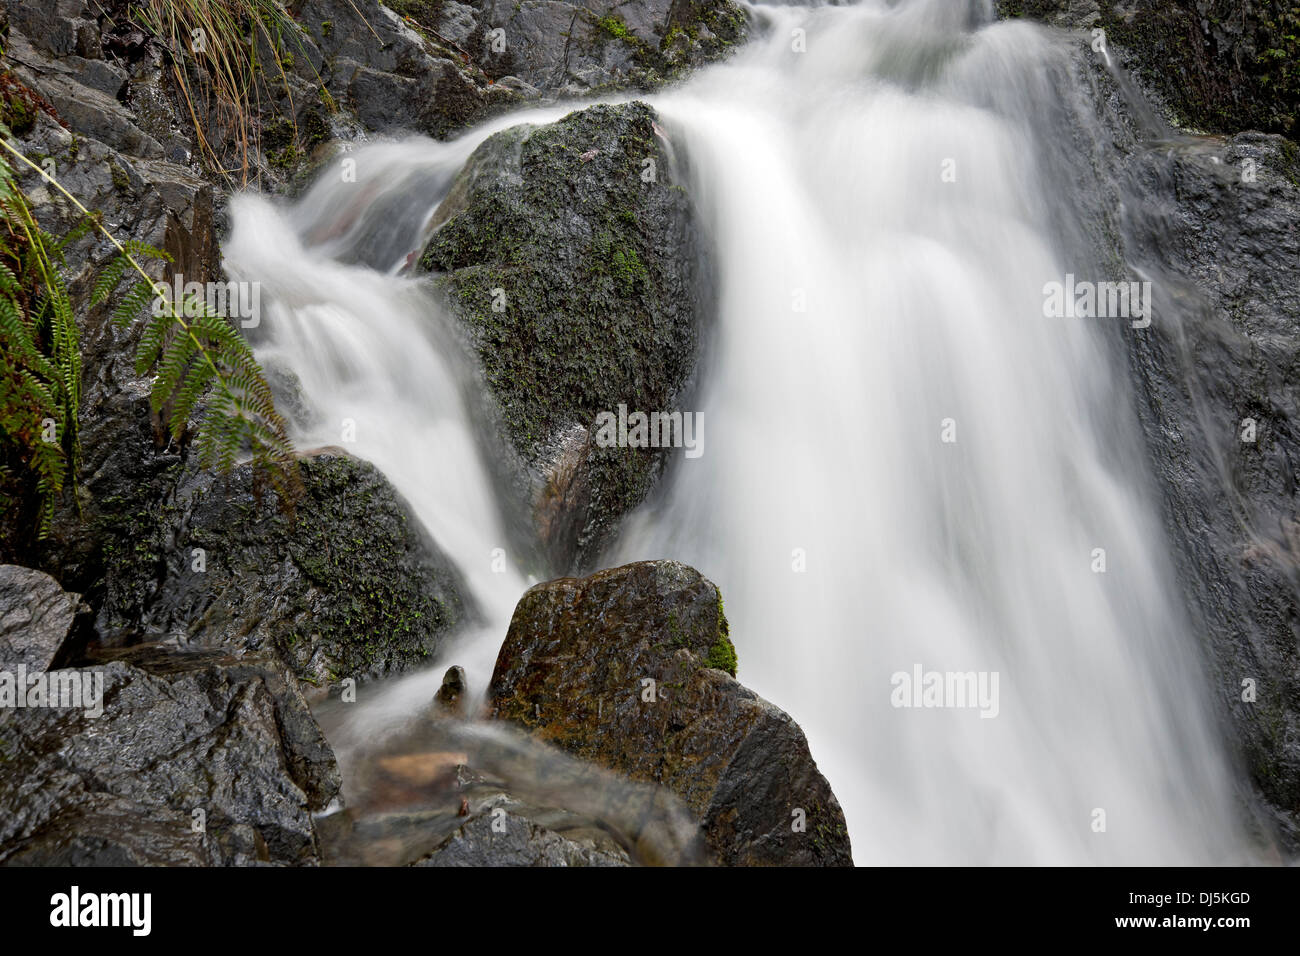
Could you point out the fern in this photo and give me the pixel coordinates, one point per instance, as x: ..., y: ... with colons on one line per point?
x: 197, y: 356
x: 40, y: 360
x: 201, y: 365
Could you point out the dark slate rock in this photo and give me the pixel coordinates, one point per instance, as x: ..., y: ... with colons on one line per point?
x: 178, y: 733
x: 509, y: 838
x: 36, y: 616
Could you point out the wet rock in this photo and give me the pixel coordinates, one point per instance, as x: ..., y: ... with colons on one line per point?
x: 97, y: 115
x: 1220, y: 65
x: 376, y: 598
x: 349, y: 586
x: 450, y: 699
x: 178, y: 733
x: 577, y: 48
x: 61, y: 27
x: 1214, y: 224
x: 395, y: 71
x: 1068, y: 14
x: 570, y: 255
x: 439, y: 792
x: 350, y: 67
x: 101, y: 829
x: 633, y: 669
x: 508, y: 838
x: 1217, y: 383
x: 36, y: 616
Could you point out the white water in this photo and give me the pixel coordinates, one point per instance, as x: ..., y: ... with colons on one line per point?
x: 821, y: 172
x: 377, y: 363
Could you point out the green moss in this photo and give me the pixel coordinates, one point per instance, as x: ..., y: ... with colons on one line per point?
x: 18, y: 108
x: 121, y: 181
x: 287, y: 144
x: 679, y: 636
x: 1291, y: 162
x: 674, y: 34
x: 617, y: 29
x: 695, y: 31
x: 287, y: 158
x: 428, y: 12
x: 1220, y: 66
x: 722, y: 655
x: 611, y: 257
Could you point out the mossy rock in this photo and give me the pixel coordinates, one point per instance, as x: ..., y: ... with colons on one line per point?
x: 1223, y: 66
x: 348, y: 585
x: 570, y: 256
x: 633, y: 669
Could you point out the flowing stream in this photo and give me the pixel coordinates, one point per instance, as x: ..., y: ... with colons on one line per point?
x: 887, y: 204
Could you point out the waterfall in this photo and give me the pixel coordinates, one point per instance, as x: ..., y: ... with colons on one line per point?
x: 909, y: 469
x: 373, y: 363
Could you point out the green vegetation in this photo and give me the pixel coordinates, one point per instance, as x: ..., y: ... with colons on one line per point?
x: 617, y: 29
x: 1222, y: 67
x: 18, y: 108
x: 427, y: 12
x: 1278, y: 66
x: 619, y: 261
x: 40, y: 363
x: 214, y: 49
x: 196, y: 356
x: 722, y: 655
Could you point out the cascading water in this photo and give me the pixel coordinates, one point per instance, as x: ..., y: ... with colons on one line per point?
x: 887, y: 189
x: 373, y: 362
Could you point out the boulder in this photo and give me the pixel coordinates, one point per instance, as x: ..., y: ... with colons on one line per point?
x: 569, y: 254
x: 36, y: 618
x: 178, y: 733
x: 633, y: 669
x: 348, y: 585
x: 451, y: 699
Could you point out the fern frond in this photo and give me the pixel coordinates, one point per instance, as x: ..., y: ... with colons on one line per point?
x: 108, y: 280
x: 133, y: 303
x: 198, y: 359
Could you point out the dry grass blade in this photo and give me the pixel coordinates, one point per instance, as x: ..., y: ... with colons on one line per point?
x: 215, y: 61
